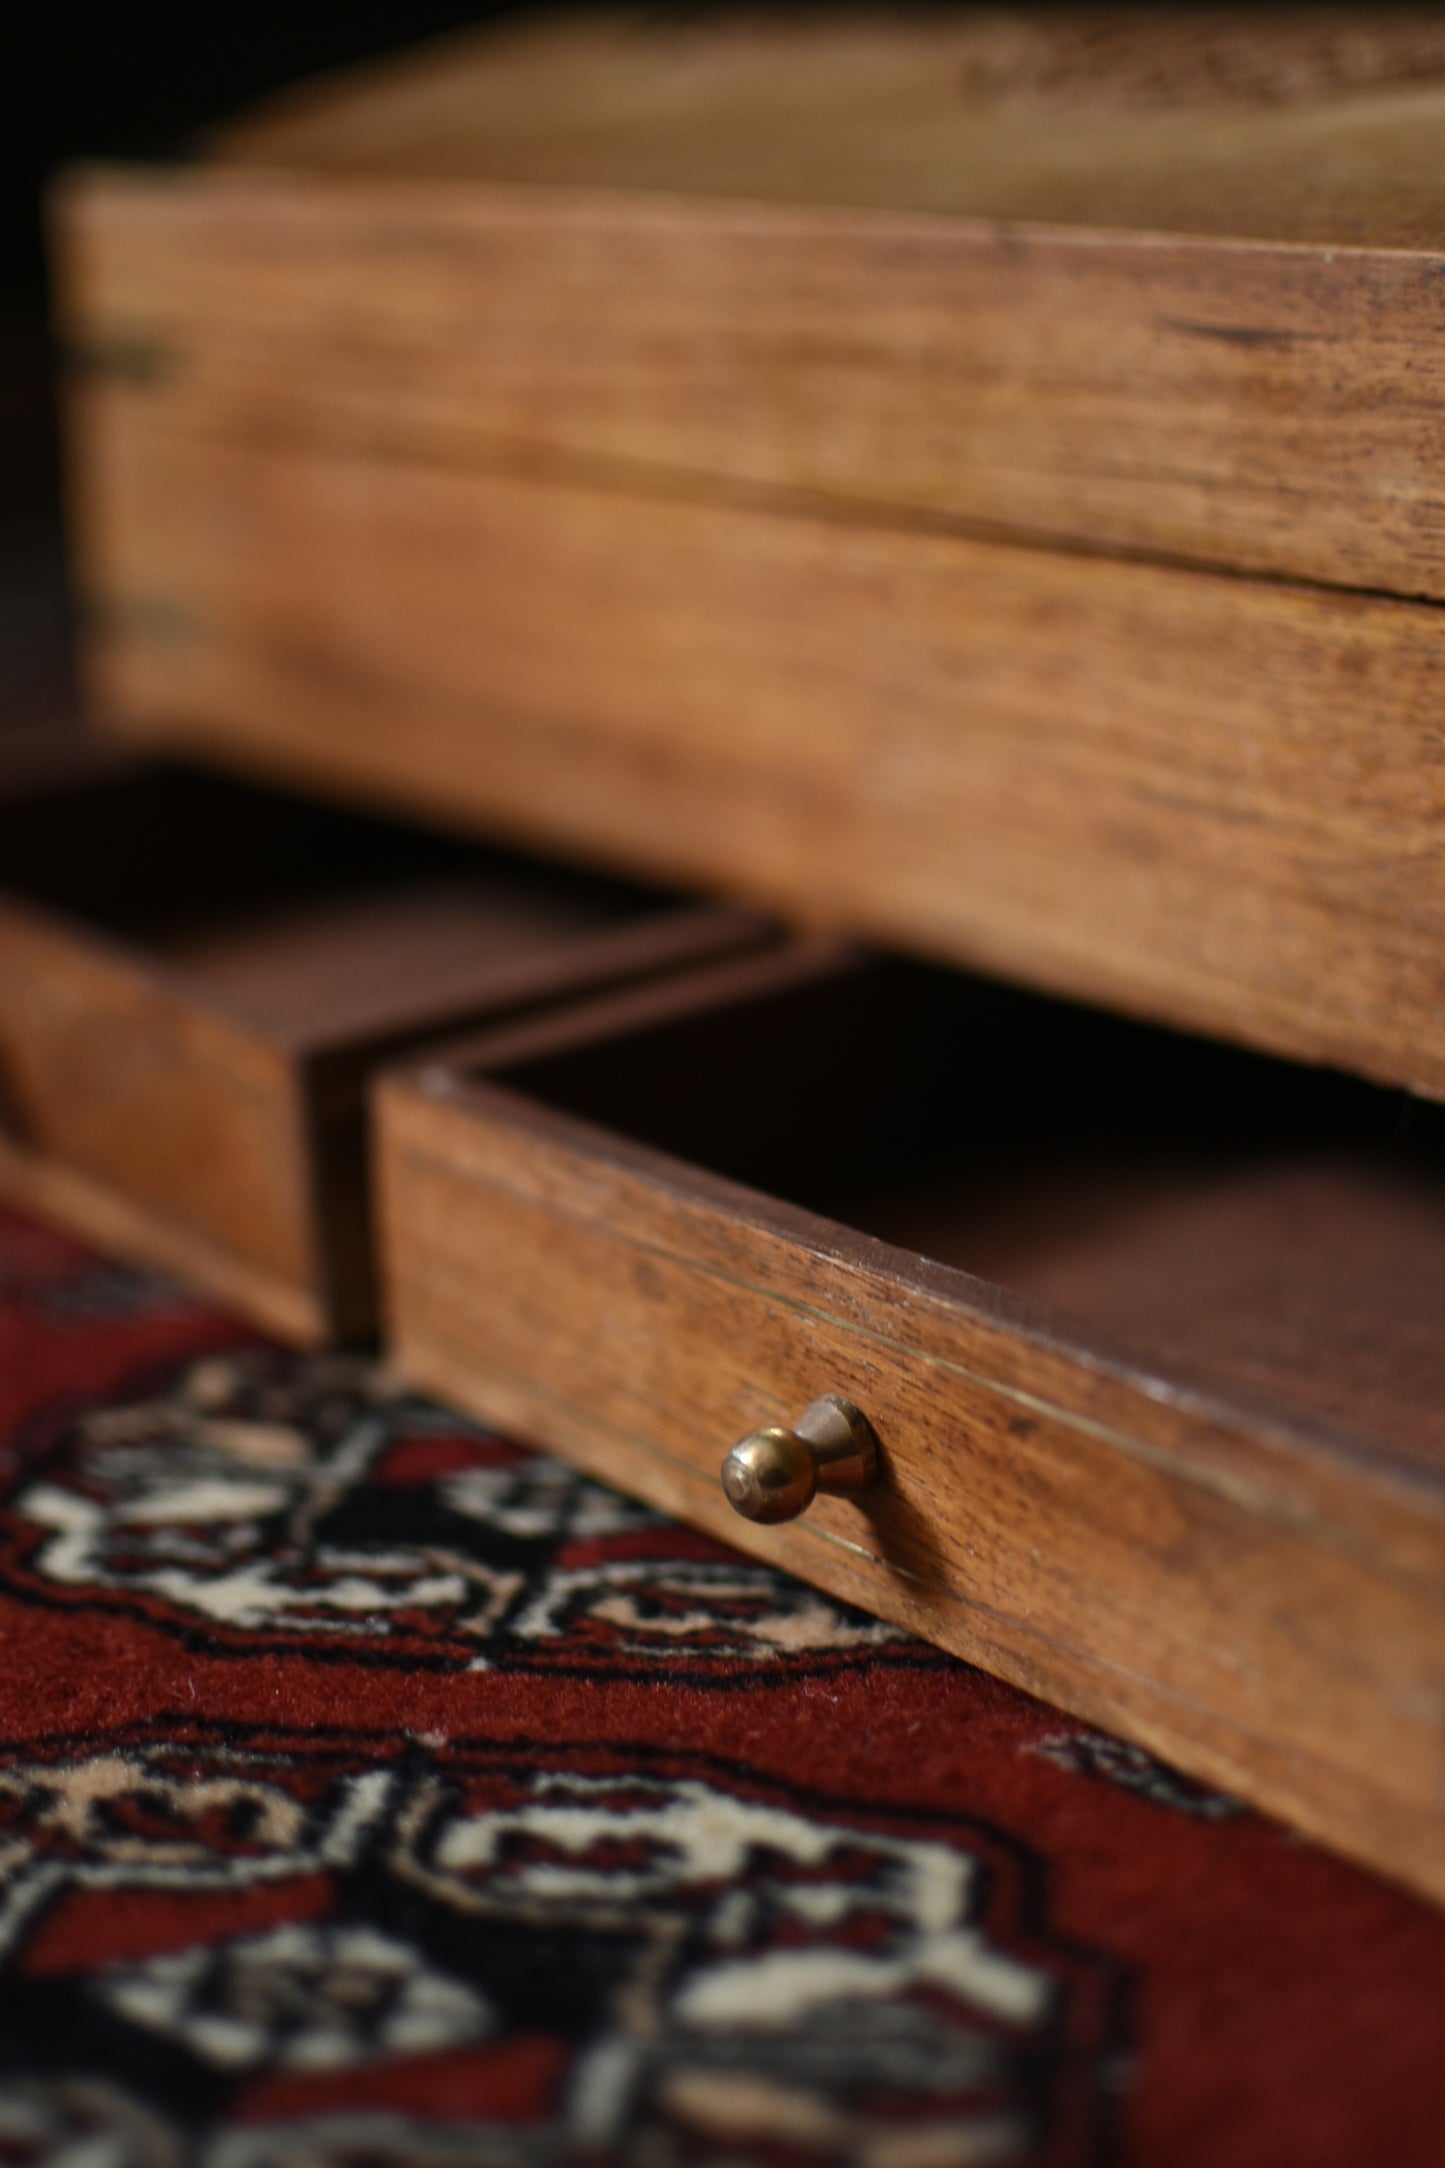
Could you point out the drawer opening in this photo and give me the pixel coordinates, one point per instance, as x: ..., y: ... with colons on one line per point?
x: 1235, y: 1221
x: 304, y: 919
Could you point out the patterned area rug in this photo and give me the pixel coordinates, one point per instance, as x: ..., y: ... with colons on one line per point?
x: 376, y: 1791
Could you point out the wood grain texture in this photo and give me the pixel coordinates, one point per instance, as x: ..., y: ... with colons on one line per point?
x: 1214, y: 801
x: 1243, y: 1588
x: 194, y: 983
x: 1312, y: 125
x: 1227, y: 1262
x: 112, y: 1072
x: 100, y: 1211
x: 1261, y: 407
x: 680, y: 528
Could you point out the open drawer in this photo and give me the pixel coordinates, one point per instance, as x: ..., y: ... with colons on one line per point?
x: 195, y: 978
x: 1151, y: 1334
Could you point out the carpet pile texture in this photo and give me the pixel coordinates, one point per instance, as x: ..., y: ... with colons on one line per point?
x: 374, y: 1790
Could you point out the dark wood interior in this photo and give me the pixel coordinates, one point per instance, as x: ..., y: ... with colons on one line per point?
x: 297, y: 916
x: 1245, y: 1223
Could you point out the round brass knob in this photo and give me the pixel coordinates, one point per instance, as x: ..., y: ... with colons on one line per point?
x: 775, y: 1474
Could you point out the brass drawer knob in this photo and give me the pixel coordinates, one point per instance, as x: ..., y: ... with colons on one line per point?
x: 775, y: 1474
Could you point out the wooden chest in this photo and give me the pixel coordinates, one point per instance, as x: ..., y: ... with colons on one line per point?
x: 977, y: 484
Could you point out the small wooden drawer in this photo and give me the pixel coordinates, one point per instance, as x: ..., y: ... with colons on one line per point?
x: 196, y: 976
x: 1150, y: 1333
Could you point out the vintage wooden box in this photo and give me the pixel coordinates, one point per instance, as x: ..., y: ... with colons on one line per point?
x: 1148, y: 1331
x: 196, y: 977
x: 975, y: 482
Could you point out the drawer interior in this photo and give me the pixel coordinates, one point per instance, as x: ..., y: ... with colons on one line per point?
x: 1236, y: 1221
x: 299, y: 917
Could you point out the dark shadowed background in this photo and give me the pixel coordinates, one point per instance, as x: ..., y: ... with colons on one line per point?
x: 134, y: 82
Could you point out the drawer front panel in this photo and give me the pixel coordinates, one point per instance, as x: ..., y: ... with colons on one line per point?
x: 1041, y: 1516
x: 195, y: 1124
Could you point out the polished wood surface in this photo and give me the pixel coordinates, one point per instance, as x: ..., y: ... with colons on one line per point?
x: 1211, y: 800
x: 195, y: 978
x: 1303, y: 124
x: 821, y: 463
x: 1236, y: 403
x: 1144, y: 1513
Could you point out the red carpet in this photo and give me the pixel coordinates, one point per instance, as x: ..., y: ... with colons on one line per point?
x: 375, y: 1791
